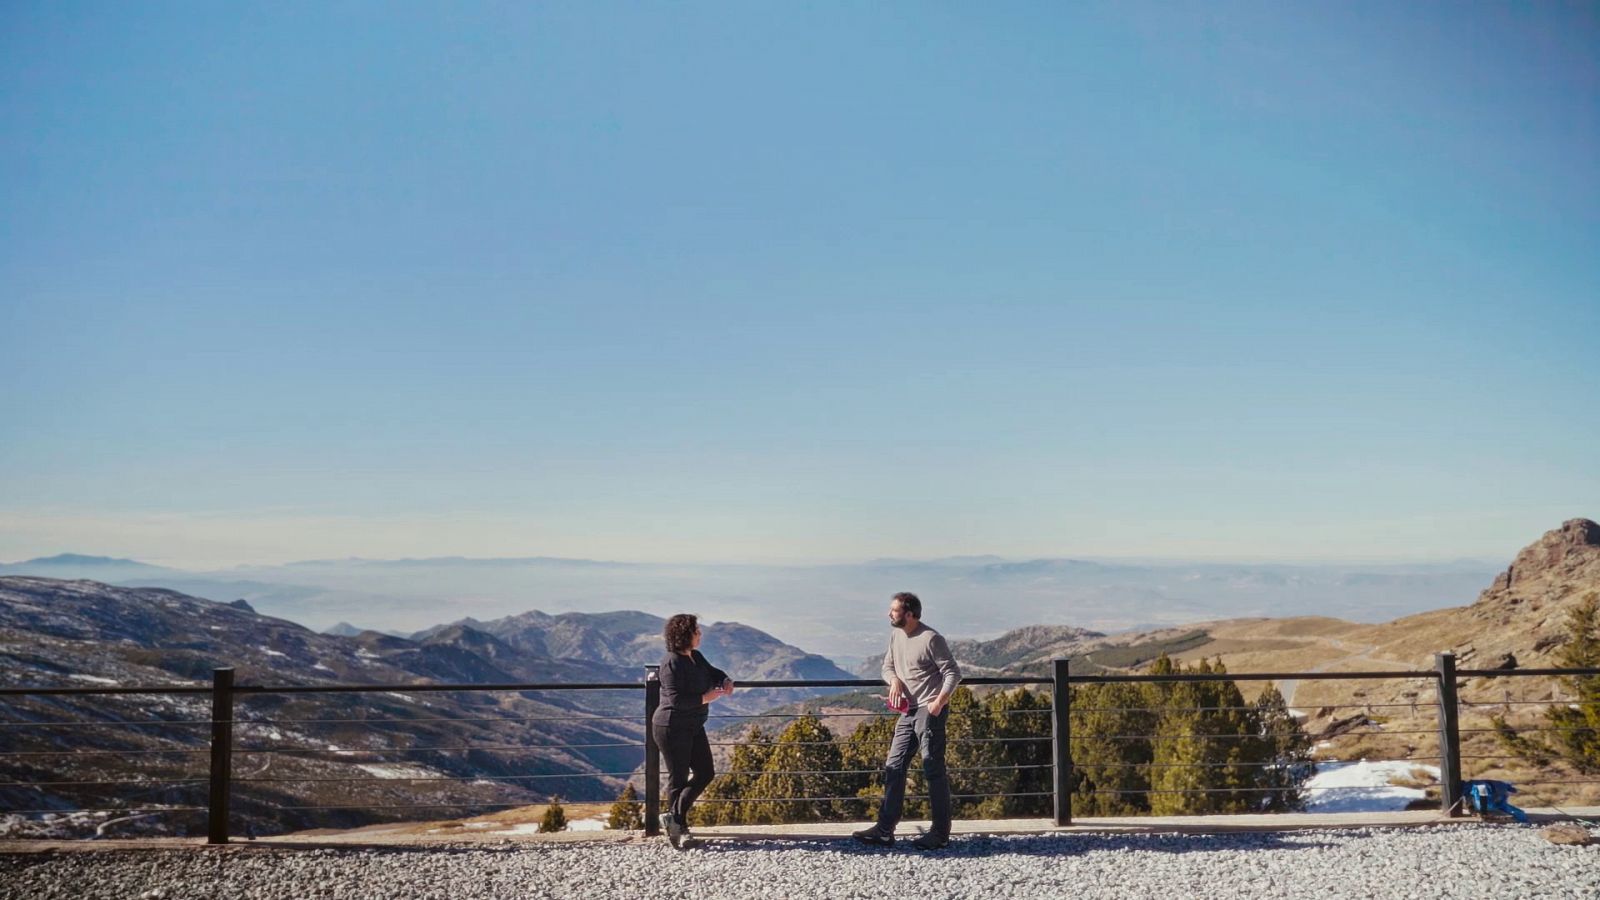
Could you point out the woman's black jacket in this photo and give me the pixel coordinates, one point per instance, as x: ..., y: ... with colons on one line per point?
x: 684, y: 683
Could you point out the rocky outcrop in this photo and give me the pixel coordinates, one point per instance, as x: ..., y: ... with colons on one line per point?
x: 1520, y: 618
x: 1562, y: 561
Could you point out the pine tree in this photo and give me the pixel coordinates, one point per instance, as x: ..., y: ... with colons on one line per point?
x: 972, y: 757
x: 627, y: 814
x: 1111, y: 748
x: 555, y: 818
x: 1575, y: 726
x: 803, y: 766
x: 1021, y: 723
x: 1179, y: 745
x: 1181, y: 748
x: 864, y: 754
x: 735, y: 787
x: 1282, y: 755
x: 1199, y: 746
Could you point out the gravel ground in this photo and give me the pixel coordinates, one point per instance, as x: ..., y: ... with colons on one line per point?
x: 1455, y: 861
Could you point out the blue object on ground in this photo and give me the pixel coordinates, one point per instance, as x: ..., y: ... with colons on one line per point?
x: 1489, y: 796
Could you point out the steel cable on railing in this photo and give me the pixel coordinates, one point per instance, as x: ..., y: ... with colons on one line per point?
x: 385, y: 779
x: 78, y: 753
x: 438, y: 749
x: 886, y: 742
x: 1519, y: 702
x: 1532, y: 729
x: 1237, y: 790
x: 874, y: 771
x: 139, y: 809
x: 1158, y: 709
x: 462, y: 805
x: 1227, y: 737
x: 1232, y: 765
x: 160, y: 783
x: 800, y: 715
x: 426, y: 719
x: 871, y: 798
x: 1554, y: 755
x: 820, y: 714
x: 119, y: 723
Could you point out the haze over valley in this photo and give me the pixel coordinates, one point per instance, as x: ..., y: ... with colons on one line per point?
x: 832, y: 610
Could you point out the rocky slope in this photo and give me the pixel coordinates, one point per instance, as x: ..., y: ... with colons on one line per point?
x: 1518, y: 620
x: 401, y: 747
x: 1521, y: 616
x: 1522, y: 613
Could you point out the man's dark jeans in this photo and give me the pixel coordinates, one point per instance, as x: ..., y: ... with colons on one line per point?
x: 916, y: 728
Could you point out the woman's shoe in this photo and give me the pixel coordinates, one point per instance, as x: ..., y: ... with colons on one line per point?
x: 673, y: 828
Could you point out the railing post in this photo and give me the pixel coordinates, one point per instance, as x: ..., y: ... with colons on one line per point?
x: 221, y: 754
x: 1449, y: 736
x: 652, y: 753
x: 1061, y: 740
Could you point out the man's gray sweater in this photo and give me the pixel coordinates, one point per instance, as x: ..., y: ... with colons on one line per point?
x: 922, y: 660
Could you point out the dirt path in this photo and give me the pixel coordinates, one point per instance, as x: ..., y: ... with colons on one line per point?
x: 1354, y: 653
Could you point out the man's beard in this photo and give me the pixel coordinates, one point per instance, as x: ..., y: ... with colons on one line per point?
x: 897, y: 621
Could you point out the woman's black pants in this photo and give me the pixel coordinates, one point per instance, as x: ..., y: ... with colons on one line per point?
x: 685, y: 748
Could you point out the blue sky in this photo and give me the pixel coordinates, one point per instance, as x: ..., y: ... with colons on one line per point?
x: 782, y: 282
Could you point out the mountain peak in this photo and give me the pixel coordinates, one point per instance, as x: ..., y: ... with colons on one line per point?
x: 1558, y: 553
x: 79, y: 559
x: 1523, y: 611
x: 1582, y: 531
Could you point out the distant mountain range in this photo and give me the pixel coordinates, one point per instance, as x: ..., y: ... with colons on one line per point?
x: 833, y: 610
x: 85, y: 633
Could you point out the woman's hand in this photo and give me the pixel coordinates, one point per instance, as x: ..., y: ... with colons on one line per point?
x: 727, y: 686
x: 711, y: 695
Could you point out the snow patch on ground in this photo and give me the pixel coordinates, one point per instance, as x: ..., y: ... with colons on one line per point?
x: 572, y: 825
x: 1363, y: 786
x: 93, y: 679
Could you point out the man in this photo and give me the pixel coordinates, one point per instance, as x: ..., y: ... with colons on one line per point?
x: 918, y: 669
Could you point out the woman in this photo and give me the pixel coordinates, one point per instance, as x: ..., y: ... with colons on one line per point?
x: 689, y: 685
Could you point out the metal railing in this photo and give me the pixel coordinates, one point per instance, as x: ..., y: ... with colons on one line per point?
x: 223, y: 749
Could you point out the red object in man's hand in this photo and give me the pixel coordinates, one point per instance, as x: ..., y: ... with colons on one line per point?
x: 901, y: 707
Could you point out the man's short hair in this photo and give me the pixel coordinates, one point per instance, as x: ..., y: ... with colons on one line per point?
x: 909, y: 603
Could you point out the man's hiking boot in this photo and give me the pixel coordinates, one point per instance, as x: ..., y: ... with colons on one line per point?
x: 931, y: 840
x: 872, y: 837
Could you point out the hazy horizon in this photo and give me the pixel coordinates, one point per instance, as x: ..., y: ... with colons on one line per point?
x: 225, y: 566
x: 833, y: 609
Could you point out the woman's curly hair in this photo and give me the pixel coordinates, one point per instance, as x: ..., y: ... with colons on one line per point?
x: 679, y: 632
